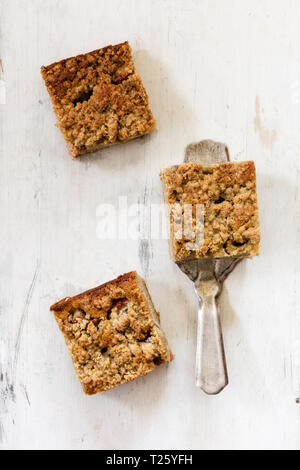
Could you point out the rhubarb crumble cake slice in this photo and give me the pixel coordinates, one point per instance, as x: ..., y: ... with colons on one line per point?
x: 99, y: 99
x: 226, y: 196
x: 113, y: 333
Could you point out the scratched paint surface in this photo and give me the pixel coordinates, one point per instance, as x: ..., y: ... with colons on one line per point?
x: 228, y: 71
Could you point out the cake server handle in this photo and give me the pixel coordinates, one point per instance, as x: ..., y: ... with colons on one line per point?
x: 211, y: 370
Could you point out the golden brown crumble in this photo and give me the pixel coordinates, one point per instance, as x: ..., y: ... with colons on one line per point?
x: 228, y: 195
x: 99, y: 99
x: 113, y: 333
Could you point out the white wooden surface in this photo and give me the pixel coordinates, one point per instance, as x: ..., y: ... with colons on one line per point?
x: 228, y: 71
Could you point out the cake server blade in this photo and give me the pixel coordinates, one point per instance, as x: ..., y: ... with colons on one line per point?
x: 208, y: 276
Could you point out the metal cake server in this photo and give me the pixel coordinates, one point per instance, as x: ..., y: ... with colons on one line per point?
x: 208, y: 276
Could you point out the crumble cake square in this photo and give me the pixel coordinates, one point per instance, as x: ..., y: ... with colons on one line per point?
x: 99, y: 99
x: 113, y: 333
x: 227, y: 193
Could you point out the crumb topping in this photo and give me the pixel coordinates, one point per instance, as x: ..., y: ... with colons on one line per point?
x: 111, y: 333
x: 228, y: 195
x: 99, y: 99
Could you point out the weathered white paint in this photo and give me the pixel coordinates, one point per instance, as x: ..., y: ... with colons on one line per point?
x: 228, y: 71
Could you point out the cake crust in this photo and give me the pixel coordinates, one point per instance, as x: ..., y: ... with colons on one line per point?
x: 113, y: 333
x: 227, y: 193
x: 99, y: 99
